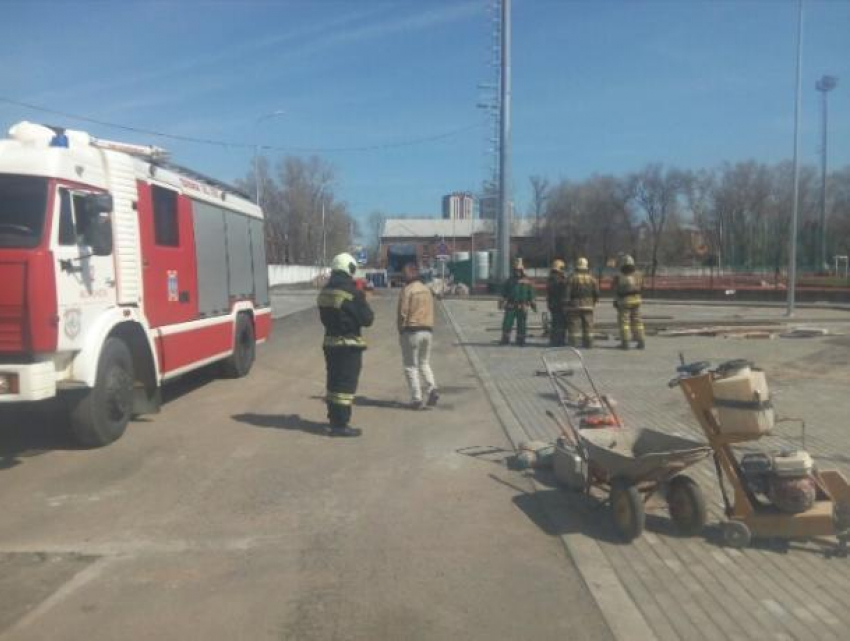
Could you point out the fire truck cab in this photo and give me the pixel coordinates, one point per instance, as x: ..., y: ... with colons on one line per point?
x: 118, y: 272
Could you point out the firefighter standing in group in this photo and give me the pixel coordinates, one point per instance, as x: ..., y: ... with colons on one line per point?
x: 582, y: 294
x: 344, y: 311
x: 517, y: 297
x: 627, y: 287
x: 555, y: 291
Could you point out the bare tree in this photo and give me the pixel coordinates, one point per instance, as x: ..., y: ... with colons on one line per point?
x: 293, y: 202
x: 656, y: 193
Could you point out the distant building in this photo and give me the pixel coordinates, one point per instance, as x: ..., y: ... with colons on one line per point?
x: 432, y: 237
x: 458, y: 206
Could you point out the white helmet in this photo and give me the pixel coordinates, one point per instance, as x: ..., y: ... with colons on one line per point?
x: 344, y: 263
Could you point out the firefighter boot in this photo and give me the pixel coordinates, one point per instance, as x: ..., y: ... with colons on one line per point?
x: 624, y: 344
x: 506, y: 339
x: 641, y: 344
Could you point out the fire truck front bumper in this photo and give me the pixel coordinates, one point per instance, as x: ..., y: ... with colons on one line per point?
x: 27, y: 381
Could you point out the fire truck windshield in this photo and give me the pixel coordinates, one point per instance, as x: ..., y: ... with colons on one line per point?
x: 23, y: 206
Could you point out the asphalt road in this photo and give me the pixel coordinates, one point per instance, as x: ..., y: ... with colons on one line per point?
x: 231, y: 515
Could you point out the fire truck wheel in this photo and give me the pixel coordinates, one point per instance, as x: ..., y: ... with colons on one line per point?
x: 244, y: 349
x: 100, y: 416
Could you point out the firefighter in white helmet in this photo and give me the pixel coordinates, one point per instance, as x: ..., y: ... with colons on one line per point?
x: 344, y: 312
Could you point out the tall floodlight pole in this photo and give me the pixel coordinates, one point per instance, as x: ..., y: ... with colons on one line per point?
x: 792, y: 262
x: 271, y: 114
x: 504, y: 228
x: 824, y: 85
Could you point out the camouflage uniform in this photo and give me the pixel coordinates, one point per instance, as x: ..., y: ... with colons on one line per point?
x: 582, y: 294
x: 517, y: 297
x: 627, y: 287
x: 555, y: 291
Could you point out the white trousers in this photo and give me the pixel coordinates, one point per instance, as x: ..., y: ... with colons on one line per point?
x: 416, y: 356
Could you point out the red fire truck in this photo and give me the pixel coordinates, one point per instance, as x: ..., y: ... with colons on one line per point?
x: 118, y: 272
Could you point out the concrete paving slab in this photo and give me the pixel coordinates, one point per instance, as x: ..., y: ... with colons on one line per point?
x: 697, y: 587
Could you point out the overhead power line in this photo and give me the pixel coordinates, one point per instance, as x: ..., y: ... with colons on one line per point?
x: 244, y: 145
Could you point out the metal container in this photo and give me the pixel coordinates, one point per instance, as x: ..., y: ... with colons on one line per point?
x: 481, y: 266
x: 570, y: 468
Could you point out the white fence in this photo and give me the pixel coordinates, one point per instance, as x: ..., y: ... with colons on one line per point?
x: 293, y: 274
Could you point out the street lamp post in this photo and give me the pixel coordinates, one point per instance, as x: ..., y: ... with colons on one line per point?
x: 792, y: 262
x: 271, y: 114
x: 320, y: 194
x: 824, y: 85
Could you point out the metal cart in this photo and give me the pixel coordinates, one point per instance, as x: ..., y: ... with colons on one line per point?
x: 747, y: 516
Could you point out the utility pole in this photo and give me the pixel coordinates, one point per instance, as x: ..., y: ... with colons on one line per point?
x: 792, y: 266
x: 257, y: 183
x: 324, y: 236
x: 504, y: 227
x: 824, y: 85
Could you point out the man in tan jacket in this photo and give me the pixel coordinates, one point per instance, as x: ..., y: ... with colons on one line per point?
x: 415, y: 326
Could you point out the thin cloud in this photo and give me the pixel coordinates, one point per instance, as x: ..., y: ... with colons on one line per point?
x: 331, y: 40
x: 243, y: 50
x: 332, y: 34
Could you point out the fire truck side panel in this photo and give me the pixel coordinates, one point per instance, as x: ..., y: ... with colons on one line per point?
x: 239, y: 264
x: 211, y: 250
x: 187, y: 347
x: 168, y: 255
x: 125, y: 224
x: 258, y: 254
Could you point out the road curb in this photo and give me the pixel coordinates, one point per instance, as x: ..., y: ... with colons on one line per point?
x: 621, y: 614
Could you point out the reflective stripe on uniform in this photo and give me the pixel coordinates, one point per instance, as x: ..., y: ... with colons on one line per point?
x: 333, y: 298
x: 340, y: 398
x: 629, y: 300
x: 344, y: 341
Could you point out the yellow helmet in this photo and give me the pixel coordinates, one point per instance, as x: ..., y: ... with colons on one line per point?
x: 582, y: 264
x: 627, y: 261
x: 516, y: 264
x: 558, y: 265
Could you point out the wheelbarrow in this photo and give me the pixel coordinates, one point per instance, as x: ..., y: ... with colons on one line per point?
x: 634, y: 464
x: 630, y: 464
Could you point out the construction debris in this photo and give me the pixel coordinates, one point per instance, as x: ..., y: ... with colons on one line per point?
x: 805, y: 332
x: 763, y: 332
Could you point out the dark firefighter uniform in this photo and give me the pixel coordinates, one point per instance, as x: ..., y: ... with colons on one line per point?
x: 556, y: 288
x: 344, y: 311
x: 582, y: 294
x: 627, y: 288
x: 517, y: 297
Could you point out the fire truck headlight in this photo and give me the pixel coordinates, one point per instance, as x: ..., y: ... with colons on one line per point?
x: 8, y: 384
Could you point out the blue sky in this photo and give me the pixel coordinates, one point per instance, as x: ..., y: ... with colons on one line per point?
x: 598, y: 86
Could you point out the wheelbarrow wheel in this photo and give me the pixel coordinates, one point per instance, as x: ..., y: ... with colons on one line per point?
x: 736, y: 534
x: 687, y: 505
x: 627, y: 510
